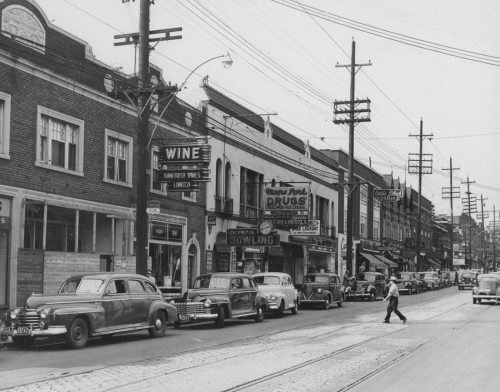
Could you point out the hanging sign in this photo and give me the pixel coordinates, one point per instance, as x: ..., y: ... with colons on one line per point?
x: 388, y: 194
x: 185, y: 154
x: 312, y: 229
x: 183, y: 186
x: 251, y: 237
x: 195, y: 175
x: 294, y: 198
x: 288, y: 223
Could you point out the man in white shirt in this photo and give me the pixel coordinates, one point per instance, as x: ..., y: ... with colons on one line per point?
x: 150, y: 276
x: 393, y: 298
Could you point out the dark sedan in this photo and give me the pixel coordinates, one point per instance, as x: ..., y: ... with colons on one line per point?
x: 408, y: 283
x: 321, y: 289
x: 91, y: 304
x: 220, y: 296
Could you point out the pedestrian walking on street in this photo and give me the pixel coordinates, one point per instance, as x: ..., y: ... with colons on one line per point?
x: 393, y: 297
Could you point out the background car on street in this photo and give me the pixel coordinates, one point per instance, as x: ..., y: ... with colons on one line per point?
x: 321, y: 289
x: 221, y: 296
x: 91, y: 304
x: 446, y: 279
x: 467, y: 279
x: 431, y: 279
x: 408, y: 283
x: 420, y: 276
x: 369, y: 285
x: 488, y: 288
x: 279, y: 290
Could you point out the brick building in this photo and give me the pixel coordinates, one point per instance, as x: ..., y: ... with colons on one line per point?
x: 67, y: 164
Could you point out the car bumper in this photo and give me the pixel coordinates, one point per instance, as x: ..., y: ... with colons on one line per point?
x: 196, y: 317
x: 486, y: 296
x: 468, y: 285
x: 50, y: 331
x: 312, y: 301
x: 272, y: 306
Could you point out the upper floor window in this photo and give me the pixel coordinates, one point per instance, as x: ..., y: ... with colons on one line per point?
x: 118, y: 162
x: 363, y: 227
x: 218, y: 178
x: 4, y: 125
x: 363, y: 192
x: 60, y: 142
x: 376, y: 230
x: 156, y: 184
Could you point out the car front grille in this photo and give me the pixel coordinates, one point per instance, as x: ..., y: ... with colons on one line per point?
x: 30, y: 318
x: 191, y: 308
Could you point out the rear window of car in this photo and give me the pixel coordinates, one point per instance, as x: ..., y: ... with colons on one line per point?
x: 488, y: 279
x: 270, y: 280
x: 136, y: 287
x: 150, y: 288
x: 69, y: 286
x: 211, y: 282
x: 315, y: 279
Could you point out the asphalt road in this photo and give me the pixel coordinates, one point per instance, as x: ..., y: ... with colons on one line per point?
x: 445, y: 338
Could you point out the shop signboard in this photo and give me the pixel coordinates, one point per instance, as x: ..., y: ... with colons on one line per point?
x: 251, y: 237
x: 209, y: 258
x: 434, y: 254
x: 411, y: 243
x: 4, y: 213
x: 211, y: 220
x: 223, y: 262
x: 391, y: 195
x: 313, y: 228
x: 183, y: 186
x: 443, y: 240
x: 185, y: 154
x: 294, y: 198
x: 388, y: 247
x: 287, y: 223
x: 201, y: 174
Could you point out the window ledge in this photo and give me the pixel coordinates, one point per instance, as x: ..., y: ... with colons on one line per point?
x: 4, y: 156
x: 59, y: 169
x: 125, y: 184
x: 157, y: 192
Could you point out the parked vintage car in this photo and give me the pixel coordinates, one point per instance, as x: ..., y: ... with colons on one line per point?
x: 431, y: 278
x: 369, y: 285
x: 488, y: 288
x: 221, y: 296
x: 321, y: 288
x: 420, y: 276
x: 467, y: 279
x: 279, y: 291
x: 445, y: 279
x: 92, y: 304
x: 408, y: 283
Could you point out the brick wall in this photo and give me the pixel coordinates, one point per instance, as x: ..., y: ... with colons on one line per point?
x: 125, y: 264
x: 29, y: 274
x: 58, y: 266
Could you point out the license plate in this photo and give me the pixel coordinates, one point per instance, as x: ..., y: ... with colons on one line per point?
x: 23, y: 331
x: 183, y: 317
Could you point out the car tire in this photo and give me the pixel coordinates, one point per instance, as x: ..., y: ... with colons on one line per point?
x: 78, y: 334
x: 373, y: 296
x: 177, y: 324
x: 326, y: 304
x: 296, y: 308
x: 341, y: 302
x: 219, y: 321
x: 159, y: 327
x: 474, y: 301
x: 409, y: 291
x: 23, y: 341
x: 259, y: 317
x: 279, y: 312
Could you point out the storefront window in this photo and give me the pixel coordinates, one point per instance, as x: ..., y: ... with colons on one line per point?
x: 33, y: 226
x: 60, y: 229
x: 85, y: 232
x: 166, y: 264
x: 162, y: 231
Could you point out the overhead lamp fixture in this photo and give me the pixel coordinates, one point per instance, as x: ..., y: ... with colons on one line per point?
x: 228, y: 61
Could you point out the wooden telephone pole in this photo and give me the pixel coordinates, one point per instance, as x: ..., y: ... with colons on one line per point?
x: 451, y: 193
x: 469, y: 208
x: 342, y: 108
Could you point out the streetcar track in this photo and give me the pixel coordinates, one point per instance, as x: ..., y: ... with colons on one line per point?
x: 420, y: 303
x: 280, y: 373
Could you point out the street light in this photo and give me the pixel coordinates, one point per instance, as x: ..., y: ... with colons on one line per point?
x: 227, y: 63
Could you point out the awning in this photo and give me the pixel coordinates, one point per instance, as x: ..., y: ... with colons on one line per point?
x: 372, y: 259
x: 433, y: 263
x: 221, y: 243
x: 390, y: 263
x: 402, y: 260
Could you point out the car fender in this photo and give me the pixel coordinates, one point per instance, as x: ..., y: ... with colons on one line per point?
x: 65, y: 314
x: 260, y: 300
x: 162, y: 306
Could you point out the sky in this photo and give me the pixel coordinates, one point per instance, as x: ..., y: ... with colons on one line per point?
x: 285, y: 55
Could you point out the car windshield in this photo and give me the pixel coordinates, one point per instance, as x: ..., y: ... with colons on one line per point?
x: 488, y: 279
x: 403, y: 276
x: 315, y: 279
x: 211, y: 282
x: 69, y: 286
x: 271, y: 280
x: 366, y: 277
x: 90, y: 286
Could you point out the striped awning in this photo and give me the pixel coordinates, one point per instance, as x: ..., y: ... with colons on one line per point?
x: 372, y: 259
x: 390, y: 263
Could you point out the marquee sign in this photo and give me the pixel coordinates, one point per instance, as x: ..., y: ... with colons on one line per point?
x: 196, y: 175
x: 312, y: 229
x: 185, y: 154
x: 251, y: 237
x: 388, y: 194
x: 286, y: 198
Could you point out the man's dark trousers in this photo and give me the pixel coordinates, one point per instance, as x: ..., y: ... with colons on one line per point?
x: 393, y: 307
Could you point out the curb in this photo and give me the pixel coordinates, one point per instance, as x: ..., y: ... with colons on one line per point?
x: 7, y: 343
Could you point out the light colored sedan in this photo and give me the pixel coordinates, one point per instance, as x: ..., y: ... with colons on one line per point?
x: 279, y: 290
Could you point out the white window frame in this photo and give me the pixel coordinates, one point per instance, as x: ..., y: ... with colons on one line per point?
x: 5, y: 108
x: 51, y: 114
x: 376, y: 230
x: 129, y: 156
x: 163, y: 190
x: 193, y: 194
x: 363, y: 194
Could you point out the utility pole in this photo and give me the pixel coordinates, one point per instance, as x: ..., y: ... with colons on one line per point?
x: 424, y: 167
x: 143, y: 93
x: 482, y: 234
x: 494, y: 239
x: 470, y: 224
x: 340, y: 109
x: 452, y: 193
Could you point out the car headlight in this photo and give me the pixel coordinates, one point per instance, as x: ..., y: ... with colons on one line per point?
x: 207, y: 303
x: 172, y: 302
x: 273, y: 297
x: 44, y: 314
x: 320, y: 291
x: 14, y: 313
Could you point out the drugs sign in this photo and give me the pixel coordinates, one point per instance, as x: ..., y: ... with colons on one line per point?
x: 388, y: 194
x: 286, y: 198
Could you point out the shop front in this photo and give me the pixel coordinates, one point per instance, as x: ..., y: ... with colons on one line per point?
x: 321, y: 254
x: 287, y: 258
x: 5, y: 234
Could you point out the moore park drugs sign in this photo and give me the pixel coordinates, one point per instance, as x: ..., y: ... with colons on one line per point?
x: 294, y: 198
